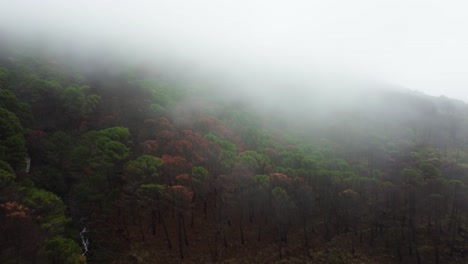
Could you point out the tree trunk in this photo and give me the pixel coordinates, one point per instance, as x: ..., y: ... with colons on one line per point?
x: 398, y: 249
x: 166, y: 233
x: 306, y: 238
x: 158, y: 206
x: 241, y: 228
x: 259, y: 232
x: 204, y: 208
x: 194, y: 197
x: 224, y: 238
x: 280, y: 243
x: 185, y: 231
x: 179, y: 229
x: 192, y: 216
x: 153, y: 221
x: 142, y: 230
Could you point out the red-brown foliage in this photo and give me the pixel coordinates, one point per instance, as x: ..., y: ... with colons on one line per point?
x: 175, y: 165
x: 150, y: 147
x: 280, y: 180
x: 183, y: 179
x: 165, y: 124
x: 166, y: 135
x: 150, y: 121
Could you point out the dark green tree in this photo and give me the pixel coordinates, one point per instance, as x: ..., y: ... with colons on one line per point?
x: 64, y: 250
x: 12, y: 143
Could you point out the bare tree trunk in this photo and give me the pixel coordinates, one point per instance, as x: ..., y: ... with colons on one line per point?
x: 251, y: 212
x: 179, y: 229
x: 259, y: 232
x: 280, y: 243
x: 241, y: 228
x: 142, y: 230
x: 398, y: 251
x: 436, y: 242
x: 194, y: 197
x: 153, y: 222
x: 306, y: 238
x: 185, y: 231
x: 216, y: 253
x: 205, y: 203
x: 166, y: 233
x: 224, y: 238
x: 192, y: 216
x: 158, y: 206
x: 126, y: 232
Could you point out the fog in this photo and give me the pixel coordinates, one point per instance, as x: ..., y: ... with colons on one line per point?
x: 320, y: 48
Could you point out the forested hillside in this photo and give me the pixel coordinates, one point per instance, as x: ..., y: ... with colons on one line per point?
x: 123, y: 165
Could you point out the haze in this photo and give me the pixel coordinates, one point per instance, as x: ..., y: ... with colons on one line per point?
x: 421, y: 45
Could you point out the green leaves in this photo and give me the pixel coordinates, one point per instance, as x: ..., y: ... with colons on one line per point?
x: 430, y: 170
x: 253, y: 160
x: 104, y: 148
x: 120, y: 134
x: 151, y: 187
x: 7, y: 175
x: 12, y: 143
x: 9, y: 124
x: 200, y: 174
x: 162, y: 94
x: 224, y: 144
x: 309, y: 162
x: 262, y: 181
x: 412, y: 176
x: 64, y: 250
x: 455, y: 184
x: 107, y: 151
x: 41, y: 89
x: 228, y: 159
x: 48, y: 209
x: 58, y: 147
x: 8, y: 100
x: 88, y: 104
x: 78, y: 101
x: 98, y: 156
x: 279, y: 194
x: 150, y: 192
x: 144, y: 169
x: 4, y: 74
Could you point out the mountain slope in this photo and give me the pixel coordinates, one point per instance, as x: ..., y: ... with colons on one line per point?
x: 172, y: 171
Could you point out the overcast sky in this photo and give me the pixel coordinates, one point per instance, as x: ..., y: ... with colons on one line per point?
x: 418, y: 44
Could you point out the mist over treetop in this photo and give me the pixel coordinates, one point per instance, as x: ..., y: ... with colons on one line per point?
x: 108, y: 157
x: 394, y: 42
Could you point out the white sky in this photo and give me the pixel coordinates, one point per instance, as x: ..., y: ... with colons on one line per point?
x: 419, y: 44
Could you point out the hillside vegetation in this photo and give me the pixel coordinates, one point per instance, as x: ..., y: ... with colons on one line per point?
x: 126, y: 166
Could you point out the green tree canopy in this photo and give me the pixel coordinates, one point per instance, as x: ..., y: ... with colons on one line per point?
x: 12, y: 143
x: 48, y: 209
x: 64, y: 250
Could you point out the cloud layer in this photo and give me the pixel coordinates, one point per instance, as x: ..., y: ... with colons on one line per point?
x: 414, y: 43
